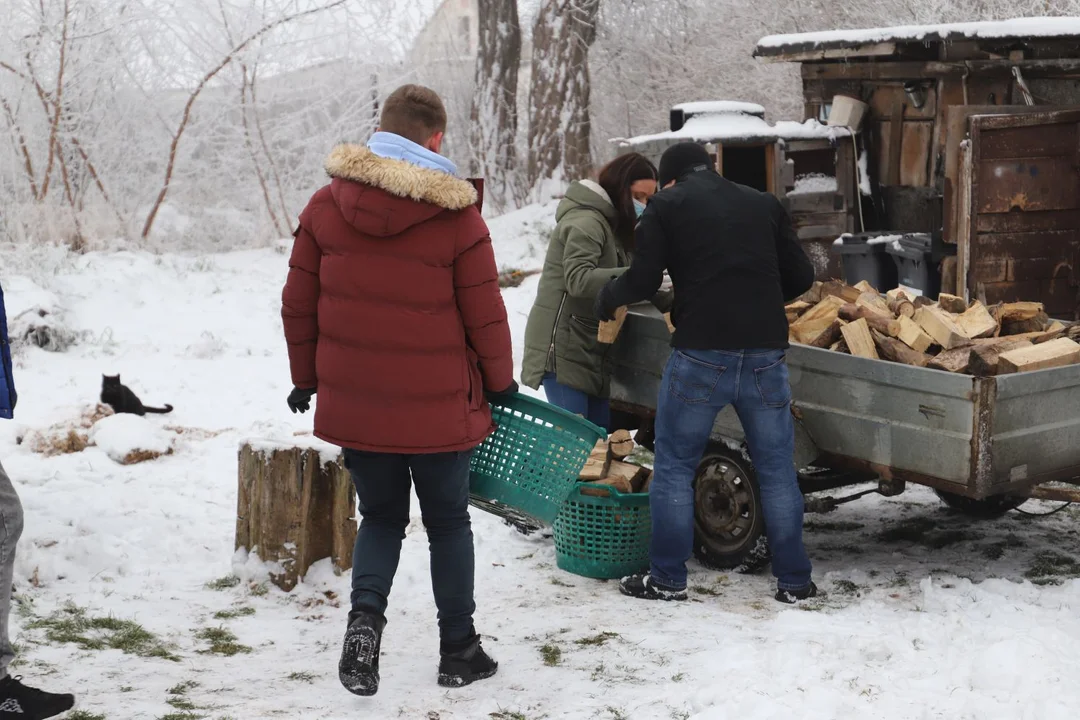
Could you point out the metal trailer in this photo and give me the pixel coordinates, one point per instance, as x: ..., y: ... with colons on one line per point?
x: 984, y: 444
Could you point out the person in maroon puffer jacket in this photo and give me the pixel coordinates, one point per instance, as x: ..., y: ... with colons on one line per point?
x: 393, y: 315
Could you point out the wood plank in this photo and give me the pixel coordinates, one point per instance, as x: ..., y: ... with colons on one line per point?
x: 918, y: 136
x: 976, y: 321
x: 955, y: 360
x: 896, y: 143
x: 887, y: 325
x: 859, y: 340
x: 1056, y: 353
x: 936, y: 323
x: 983, y: 360
x: 896, y: 351
x: 913, y: 336
x: 962, y: 223
x: 952, y: 303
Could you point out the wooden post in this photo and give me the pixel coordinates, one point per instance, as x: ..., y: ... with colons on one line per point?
x: 963, y: 222
x: 294, y: 508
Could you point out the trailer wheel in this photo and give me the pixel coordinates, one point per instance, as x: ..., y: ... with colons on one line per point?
x: 986, y: 509
x: 728, y: 521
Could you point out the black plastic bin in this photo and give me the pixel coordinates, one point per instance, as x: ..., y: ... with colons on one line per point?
x: 917, y: 257
x: 865, y: 257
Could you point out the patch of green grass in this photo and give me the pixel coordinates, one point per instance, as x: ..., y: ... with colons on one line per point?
x: 185, y: 715
x: 223, y: 583
x: 72, y: 625
x: 222, y: 642
x: 508, y: 715
x: 598, y: 639
x: 552, y: 654
x: 182, y: 688
x: 841, y: 526
x: 678, y: 677
x: 705, y: 590
x: 84, y: 715
x: 1051, y: 564
x: 181, y: 703
x: 302, y: 677
x: 846, y: 587
x: 259, y: 590
x: 616, y: 713
x: 233, y: 614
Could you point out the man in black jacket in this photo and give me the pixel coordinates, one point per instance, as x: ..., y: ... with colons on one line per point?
x: 734, y: 260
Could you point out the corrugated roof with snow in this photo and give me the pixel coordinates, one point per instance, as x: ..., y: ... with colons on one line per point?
x: 730, y: 127
x: 1017, y: 28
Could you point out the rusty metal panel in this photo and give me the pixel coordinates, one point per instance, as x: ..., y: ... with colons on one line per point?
x: 1021, y: 222
x: 1028, y: 184
x: 1026, y: 142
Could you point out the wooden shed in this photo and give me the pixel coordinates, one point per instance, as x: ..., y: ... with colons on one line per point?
x: 972, y: 133
x: 809, y: 166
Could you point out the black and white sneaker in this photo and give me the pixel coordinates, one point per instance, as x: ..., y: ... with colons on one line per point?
x: 790, y: 597
x: 465, y: 664
x: 358, y: 669
x: 27, y: 703
x: 643, y: 587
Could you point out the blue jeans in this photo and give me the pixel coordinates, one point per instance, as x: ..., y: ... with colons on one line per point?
x: 442, y: 485
x: 596, y: 410
x: 696, y: 386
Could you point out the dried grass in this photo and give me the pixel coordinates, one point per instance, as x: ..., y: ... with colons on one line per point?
x: 140, y: 456
x: 69, y: 437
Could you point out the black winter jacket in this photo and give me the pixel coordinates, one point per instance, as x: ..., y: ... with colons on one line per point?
x: 734, y: 260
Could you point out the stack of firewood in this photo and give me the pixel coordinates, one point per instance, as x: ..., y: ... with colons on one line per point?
x: 607, y: 466
x: 949, y: 334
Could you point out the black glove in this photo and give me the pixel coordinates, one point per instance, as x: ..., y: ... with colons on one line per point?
x: 300, y: 399
x: 604, y: 308
x: 493, y: 396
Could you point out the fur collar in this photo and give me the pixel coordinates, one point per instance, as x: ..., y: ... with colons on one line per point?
x: 397, y: 177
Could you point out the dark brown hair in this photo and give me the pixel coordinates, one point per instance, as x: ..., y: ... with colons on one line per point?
x: 616, y: 178
x: 414, y: 112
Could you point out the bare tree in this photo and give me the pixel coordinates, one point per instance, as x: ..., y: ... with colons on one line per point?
x: 560, y: 94
x: 494, y: 110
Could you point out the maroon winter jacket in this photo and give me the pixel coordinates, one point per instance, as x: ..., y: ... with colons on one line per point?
x: 392, y: 308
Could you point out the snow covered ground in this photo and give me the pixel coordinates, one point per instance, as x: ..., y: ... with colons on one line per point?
x: 128, y: 593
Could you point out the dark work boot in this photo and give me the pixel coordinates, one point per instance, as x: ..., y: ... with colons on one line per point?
x: 790, y: 597
x: 26, y: 703
x: 464, y: 663
x: 643, y: 587
x: 358, y: 669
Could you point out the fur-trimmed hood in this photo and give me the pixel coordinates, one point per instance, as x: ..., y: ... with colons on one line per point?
x: 400, y: 178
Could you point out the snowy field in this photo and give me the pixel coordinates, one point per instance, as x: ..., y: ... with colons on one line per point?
x: 129, y: 593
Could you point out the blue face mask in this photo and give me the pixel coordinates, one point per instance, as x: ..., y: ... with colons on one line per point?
x: 639, y: 207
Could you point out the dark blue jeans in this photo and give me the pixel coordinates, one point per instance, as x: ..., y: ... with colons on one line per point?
x: 596, y: 410
x: 696, y: 386
x: 442, y: 485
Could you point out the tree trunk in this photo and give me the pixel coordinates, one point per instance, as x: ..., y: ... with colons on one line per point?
x: 294, y: 509
x: 559, y: 96
x: 493, y: 133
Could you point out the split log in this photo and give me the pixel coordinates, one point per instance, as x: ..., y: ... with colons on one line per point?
x: 826, y: 337
x: 1017, y: 311
x: 955, y: 360
x: 858, y: 339
x: 295, y: 506
x: 795, y: 309
x: 902, y: 308
x: 892, y: 349
x: 936, y: 323
x: 816, y: 319
x: 836, y: 288
x: 865, y: 287
x: 921, y: 301
x: 952, y: 303
x: 913, y: 336
x: 889, y: 326
x: 875, y: 303
x: 813, y: 295
x: 1056, y: 353
x: 1036, y: 324
x: 899, y: 294
x: 1073, y: 333
x: 983, y: 361
x: 616, y: 481
x: 596, y: 466
x: 1055, y: 331
x: 608, y: 331
x: 648, y: 482
x: 976, y: 321
x: 621, y: 444
x: 642, y: 482
x: 840, y: 346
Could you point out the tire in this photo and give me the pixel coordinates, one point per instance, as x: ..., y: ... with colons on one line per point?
x: 987, y: 509
x: 728, y: 521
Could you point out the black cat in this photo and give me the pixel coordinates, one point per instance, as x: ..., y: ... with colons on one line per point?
x: 122, y: 400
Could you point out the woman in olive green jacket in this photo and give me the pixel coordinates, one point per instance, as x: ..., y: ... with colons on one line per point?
x: 591, y: 244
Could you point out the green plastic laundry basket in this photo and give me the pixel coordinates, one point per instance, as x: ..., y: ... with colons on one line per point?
x: 603, y: 537
x: 527, y: 468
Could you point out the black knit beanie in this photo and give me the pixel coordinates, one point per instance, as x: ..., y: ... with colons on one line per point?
x: 680, y: 159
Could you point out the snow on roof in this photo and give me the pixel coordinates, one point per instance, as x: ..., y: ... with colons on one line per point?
x: 720, y: 106
x: 722, y: 127
x: 1037, y: 27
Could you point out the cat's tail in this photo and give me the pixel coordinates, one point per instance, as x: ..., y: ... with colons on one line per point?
x: 159, y: 411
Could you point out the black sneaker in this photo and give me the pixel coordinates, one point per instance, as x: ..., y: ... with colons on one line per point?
x: 643, y: 587
x: 358, y: 669
x: 465, y: 664
x: 27, y: 703
x: 790, y: 597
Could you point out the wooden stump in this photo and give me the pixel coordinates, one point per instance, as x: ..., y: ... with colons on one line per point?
x: 294, y: 508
